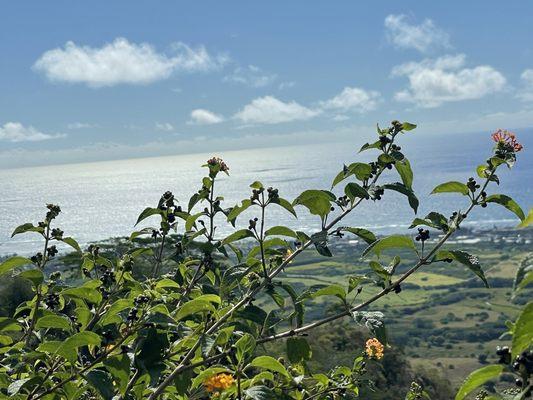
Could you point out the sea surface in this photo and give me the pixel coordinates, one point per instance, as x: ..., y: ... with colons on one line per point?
x: 103, y: 199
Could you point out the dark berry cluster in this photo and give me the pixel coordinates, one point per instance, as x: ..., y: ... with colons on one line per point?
x: 55, y: 276
x: 377, y: 192
x: 57, y: 234
x: 51, y: 300
x: 342, y: 201
x: 272, y: 194
x: 423, y: 235
x: 396, y: 126
x: 53, y: 211
x: 522, y: 365
x: 51, y: 251
x: 472, y: 185
x: 132, y: 315
x: 168, y: 202
x: 395, y: 147
x: 141, y: 300
x: 252, y: 223
x: 384, y: 140
x: 37, y: 258
x: 108, y: 278
x: 255, y: 194
x: 94, y: 250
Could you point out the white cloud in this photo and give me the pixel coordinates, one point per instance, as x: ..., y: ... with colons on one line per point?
x: 434, y: 82
x: 122, y: 62
x: 286, y: 85
x: 269, y: 110
x: 16, y: 132
x: 340, y: 118
x: 526, y: 93
x: 251, y: 76
x: 205, y: 117
x: 81, y: 125
x: 353, y: 99
x: 164, y: 126
x: 423, y: 37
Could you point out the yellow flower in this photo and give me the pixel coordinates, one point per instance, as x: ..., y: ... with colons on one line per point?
x: 374, y: 348
x: 218, y: 383
x: 287, y: 254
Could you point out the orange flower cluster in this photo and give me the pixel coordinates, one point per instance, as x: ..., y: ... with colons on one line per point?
x: 374, y: 348
x: 218, y: 383
x: 505, y: 137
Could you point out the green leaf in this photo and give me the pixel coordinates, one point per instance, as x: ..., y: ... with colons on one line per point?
x: 361, y: 171
x: 9, y: 325
x: 523, y: 331
x: 256, y: 185
x: 285, y: 204
x: 245, y: 347
x: 354, y: 190
x: 401, y: 188
x: 390, y: 242
x: 407, y: 126
x: 331, y: 290
x: 237, y: 210
x: 200, y: 304
x: 12, y: 263
x: 406, y: 173
x: 148, y: 212
x: 17, y: 385
x: 318, y: 202
x: 508, y: 203
x: 72, y: 243
x: 320, y: 240
x: 119, y: 367
x: 191, y: 220
x: 364, y: 234
x: 379, y: 270
x: 144, y: 231
x: 83, y: 292
x: 281, y: 231
x: 167, y: 283
x: 80, y: 339
x: 102, y: 382
x: 528, y: 220
x: 260, y: 393
x: 298, y: 349
x: 271, y: 364
x: 433, y: 220
x: 472, y: 262
x: 34, y: 275
x: 367, y: 146
x: 27, y: 228
x: 478, y: 378
x: 53, y: 321
x: 239, y: 235
x: 112, y: 314
x: 451, y: 187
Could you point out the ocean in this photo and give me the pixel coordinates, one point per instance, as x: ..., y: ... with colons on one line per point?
x: 101, y: 200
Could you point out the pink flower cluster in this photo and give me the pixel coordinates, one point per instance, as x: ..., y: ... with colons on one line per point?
x: 508, y: 138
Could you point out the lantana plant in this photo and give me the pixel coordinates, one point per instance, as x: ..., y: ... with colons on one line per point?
x: 190, y: 326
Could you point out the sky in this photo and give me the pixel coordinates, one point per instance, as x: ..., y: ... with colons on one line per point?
x: 100, y: 80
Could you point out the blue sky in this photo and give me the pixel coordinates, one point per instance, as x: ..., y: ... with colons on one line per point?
x: 104, y: 80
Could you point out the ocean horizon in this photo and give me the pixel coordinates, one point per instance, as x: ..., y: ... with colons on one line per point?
x: 102, y: 199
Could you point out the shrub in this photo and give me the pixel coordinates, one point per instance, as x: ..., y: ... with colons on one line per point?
x: 153, y: 323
